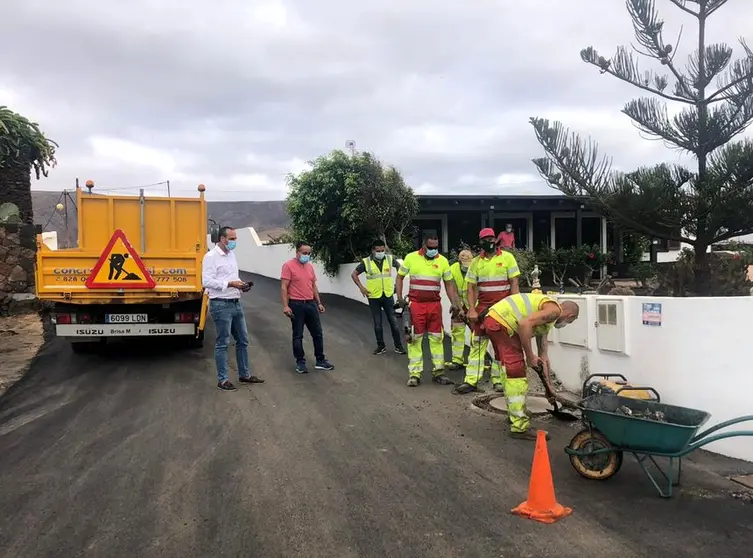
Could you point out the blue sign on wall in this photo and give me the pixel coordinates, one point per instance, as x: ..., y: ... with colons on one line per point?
x: 652, y: 313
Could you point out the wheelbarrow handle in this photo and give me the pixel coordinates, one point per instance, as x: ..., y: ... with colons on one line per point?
x: 639, y: 388
x: 591, y: 376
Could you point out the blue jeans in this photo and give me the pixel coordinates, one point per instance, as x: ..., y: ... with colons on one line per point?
x: 306, y: 313
x: 229, y: 319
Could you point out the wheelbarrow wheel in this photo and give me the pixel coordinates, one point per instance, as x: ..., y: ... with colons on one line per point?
x: 594, y: 467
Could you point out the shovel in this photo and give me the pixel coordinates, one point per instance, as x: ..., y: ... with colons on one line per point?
x: 556, y: 411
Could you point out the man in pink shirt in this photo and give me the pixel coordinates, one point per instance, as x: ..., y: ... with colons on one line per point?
x: 302, y: 304
x: 506, y: 238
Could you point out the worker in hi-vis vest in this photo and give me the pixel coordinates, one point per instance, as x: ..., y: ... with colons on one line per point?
x: 493, y: 275
x: 428, y: 269
x: 458, y: 327
x: 511, y: 324
x: 380, y: 290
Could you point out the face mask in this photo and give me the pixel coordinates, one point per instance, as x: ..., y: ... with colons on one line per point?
x: 431, y: 252
x: 231, y: 244
x: 463, y: 268
x: 488, y: 246
x: 560, y: 325
x: 509, y: 229
x: 379, y: 255
x: 304, y: 258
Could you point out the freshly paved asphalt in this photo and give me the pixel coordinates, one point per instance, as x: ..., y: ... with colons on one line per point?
x: 136, y: 453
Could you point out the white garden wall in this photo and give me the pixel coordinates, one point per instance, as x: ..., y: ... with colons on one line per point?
x: 693, y: 351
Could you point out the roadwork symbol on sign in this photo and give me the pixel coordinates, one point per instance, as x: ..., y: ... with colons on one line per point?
x: 120, y: 267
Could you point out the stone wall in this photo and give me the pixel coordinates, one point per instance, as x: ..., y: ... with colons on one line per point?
x: 18, y: 247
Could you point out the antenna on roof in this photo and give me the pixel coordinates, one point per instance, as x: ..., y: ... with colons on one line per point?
x: 351, y: 146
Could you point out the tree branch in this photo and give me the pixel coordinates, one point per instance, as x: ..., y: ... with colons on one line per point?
x: 681, y: 4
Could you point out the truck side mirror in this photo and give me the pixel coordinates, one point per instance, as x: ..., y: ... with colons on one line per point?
x: 214, y: 232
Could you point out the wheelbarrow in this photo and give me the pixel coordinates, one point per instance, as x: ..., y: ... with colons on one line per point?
x: 647, y: 429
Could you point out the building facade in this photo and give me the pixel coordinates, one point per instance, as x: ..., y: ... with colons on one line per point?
x: 553, y: 221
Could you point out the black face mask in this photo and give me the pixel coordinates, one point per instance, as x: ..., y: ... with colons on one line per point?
x: 487, y: 247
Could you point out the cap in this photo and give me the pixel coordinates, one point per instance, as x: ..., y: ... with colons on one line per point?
x: 488, y: 231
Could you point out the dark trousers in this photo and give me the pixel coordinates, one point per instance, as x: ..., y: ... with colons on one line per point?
x: 306, y: 313
x: 387, y: 304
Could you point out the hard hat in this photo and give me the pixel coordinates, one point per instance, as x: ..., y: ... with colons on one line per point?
x: 488, y: 231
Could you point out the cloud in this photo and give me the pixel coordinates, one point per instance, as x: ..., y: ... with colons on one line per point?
x: 236, y: 94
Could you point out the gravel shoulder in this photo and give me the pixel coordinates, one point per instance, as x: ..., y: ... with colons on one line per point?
x: 21, y: 337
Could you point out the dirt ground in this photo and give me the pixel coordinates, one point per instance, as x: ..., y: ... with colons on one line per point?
x: 21, y: 337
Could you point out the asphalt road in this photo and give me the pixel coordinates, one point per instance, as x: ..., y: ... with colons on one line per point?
x: 136, y: 453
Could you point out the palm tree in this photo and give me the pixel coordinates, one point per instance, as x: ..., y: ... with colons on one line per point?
x: 23, y: 148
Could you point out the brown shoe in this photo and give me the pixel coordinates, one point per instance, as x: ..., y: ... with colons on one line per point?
x: 251, y: 380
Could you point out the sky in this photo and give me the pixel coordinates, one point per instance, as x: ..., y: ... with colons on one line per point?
x: 235, y: 94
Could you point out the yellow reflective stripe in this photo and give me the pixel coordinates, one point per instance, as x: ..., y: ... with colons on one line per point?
x: 512, y: 270
x: 516, y: 399
x: 526, y: 300
x: 425, y: 288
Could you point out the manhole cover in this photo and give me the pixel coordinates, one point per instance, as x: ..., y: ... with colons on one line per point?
x: 535, y: 405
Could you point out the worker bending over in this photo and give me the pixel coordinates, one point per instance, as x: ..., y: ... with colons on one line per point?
x: 493, y: 275
x: 427, y: 269
x: 458, y: 325
x: 511, y: 325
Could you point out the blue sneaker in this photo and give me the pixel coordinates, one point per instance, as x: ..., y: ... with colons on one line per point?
x: 324, y: 365
x: 300, y: 367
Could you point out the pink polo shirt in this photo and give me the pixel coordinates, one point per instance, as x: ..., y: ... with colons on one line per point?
x: 301, y: 277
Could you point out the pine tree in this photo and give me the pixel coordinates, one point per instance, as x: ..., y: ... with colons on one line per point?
x: 708, y: 204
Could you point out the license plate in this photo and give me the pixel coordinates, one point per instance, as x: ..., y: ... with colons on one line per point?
x: 126, y: 318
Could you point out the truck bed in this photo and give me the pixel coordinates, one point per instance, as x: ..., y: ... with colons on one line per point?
x: 171, y: 242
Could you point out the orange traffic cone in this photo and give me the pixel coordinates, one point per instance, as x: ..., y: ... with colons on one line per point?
x: 541, y: 504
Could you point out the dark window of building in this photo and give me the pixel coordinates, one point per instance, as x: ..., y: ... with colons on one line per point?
x: 565, y: 232
x: 591, y: 231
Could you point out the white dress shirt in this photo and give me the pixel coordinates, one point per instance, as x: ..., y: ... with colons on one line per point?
x: 219, y: 269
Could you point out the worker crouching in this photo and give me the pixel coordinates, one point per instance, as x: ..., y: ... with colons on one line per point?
x: 511, y: 325
x: 428, y: 269
x: 492, y: 276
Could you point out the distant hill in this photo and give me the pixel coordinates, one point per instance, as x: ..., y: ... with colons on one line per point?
x: 266, y: 216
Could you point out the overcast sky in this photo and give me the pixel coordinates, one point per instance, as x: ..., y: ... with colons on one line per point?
x: 237, y: 93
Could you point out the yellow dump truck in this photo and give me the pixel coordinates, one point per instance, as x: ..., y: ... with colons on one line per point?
x: 135, y: 272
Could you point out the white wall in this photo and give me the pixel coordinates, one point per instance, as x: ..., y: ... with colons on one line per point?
x: 698, y: 357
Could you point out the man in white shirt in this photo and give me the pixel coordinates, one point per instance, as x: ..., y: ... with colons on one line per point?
x: 223, y: 285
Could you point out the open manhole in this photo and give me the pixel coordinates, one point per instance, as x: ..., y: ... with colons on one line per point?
x: 496, y: 403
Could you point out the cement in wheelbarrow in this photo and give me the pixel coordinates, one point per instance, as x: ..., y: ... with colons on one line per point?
x: 640, y: 434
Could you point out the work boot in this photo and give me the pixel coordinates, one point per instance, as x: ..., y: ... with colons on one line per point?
x: 413, y: 381
x: 464, y: 388
x: 529, y: 435
x: 454, y: 366
x: 499, y: 388
x: 379, y: 351
x: 442, y: 380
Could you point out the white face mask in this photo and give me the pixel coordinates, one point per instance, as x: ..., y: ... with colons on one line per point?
x: 560, y: 325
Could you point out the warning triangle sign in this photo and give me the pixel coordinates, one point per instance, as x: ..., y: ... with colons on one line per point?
x: 119, y: 267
